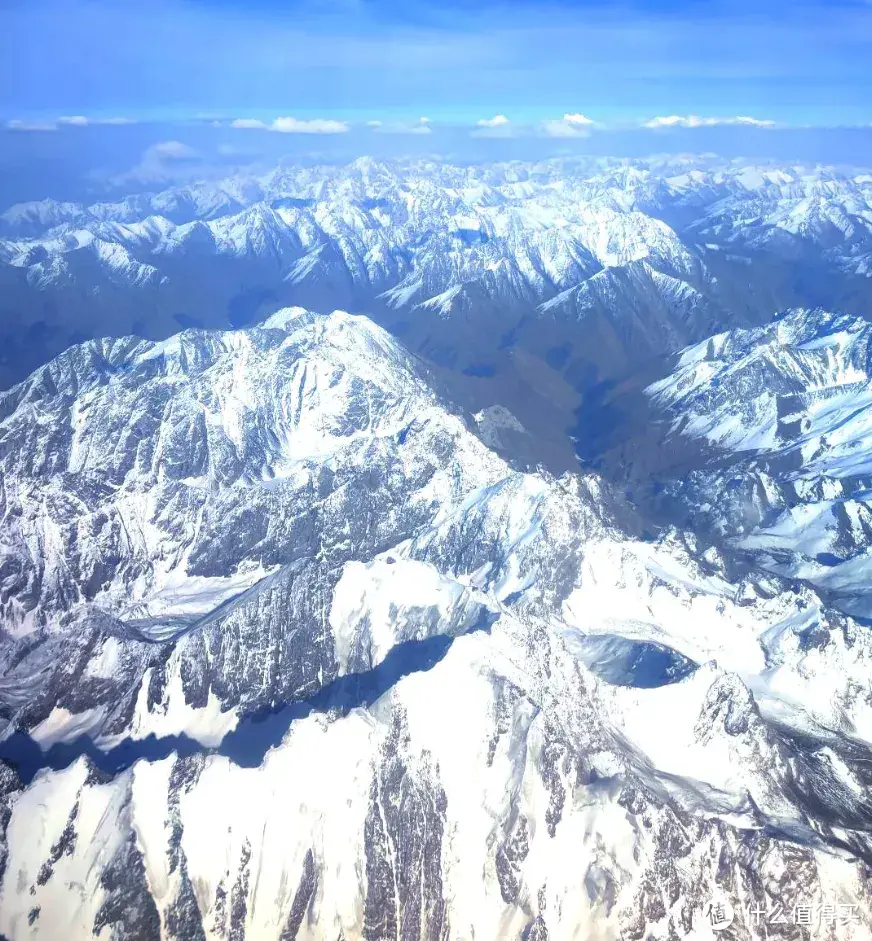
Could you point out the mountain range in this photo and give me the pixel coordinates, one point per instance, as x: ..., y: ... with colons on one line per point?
x: 410, y: 551
x: 541, y: 254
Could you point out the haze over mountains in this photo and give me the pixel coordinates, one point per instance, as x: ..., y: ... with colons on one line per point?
x: 417, y: 551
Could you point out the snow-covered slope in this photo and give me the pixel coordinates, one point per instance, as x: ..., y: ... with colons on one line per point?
x: 186, y: 482
x: 784, y: 415
x: 394, y: 687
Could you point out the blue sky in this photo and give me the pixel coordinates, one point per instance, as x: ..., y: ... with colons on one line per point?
x: 797, y: 62
x: 127, y: 94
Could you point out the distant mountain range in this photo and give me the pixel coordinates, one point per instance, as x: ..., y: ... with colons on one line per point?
x: 635, y: 259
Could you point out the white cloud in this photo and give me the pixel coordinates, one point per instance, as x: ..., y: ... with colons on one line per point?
x: 694, y: 120
x: 560, y: 129
x: 578, y: 120
x: 373, y: 123
x: 252, y: 123
x: 498, y: 120
x: 672, y: 120
x: 288, y: 125
x: 171, y: 150
x: 421, y: 126
x: 80, y: 120
x: 497, y: 126
x: 754, y: 122
x: 315, y: 126
x: 165, y: 161
x: 17, y: 125
x: 570, y: 125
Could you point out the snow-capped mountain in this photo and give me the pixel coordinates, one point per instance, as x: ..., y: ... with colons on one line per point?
x: 527, y: 601
x: 782, y: 417
x: 289, y: 652
x: 421, y: 244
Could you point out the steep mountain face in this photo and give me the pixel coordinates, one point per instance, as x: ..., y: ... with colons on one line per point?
x: 628, y: 314
x: 211, y: 477
x: 780, y: 416
x: 458, y: 261
x: 289, y: 652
